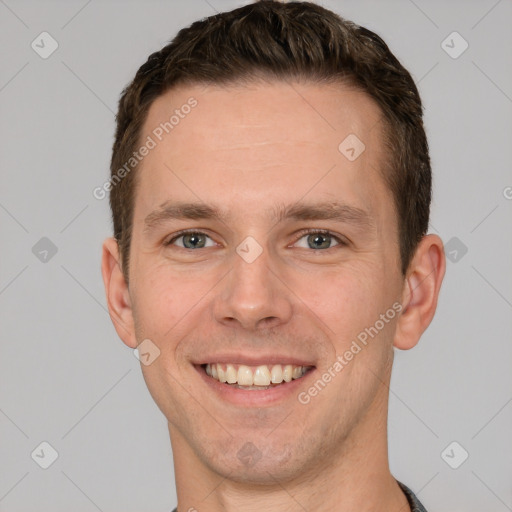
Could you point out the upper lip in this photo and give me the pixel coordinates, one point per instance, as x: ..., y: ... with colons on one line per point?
x: 254, y: 360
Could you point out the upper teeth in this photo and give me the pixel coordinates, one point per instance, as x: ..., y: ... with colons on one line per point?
x: 255, y: 376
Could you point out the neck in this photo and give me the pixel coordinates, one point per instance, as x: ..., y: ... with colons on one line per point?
x: 355, y: 477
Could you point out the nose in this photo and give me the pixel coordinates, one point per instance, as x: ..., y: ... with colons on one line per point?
x: 253, y: 295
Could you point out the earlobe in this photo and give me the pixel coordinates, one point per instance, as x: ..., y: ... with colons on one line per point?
x: 116, y: 289
x: 421, y: 291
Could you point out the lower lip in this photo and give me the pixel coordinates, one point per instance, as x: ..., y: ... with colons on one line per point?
x: 254, y: 397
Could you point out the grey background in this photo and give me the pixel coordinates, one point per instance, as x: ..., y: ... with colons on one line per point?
x: 66, y: 378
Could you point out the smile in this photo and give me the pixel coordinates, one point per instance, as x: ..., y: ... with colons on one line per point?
x: 255, y: 377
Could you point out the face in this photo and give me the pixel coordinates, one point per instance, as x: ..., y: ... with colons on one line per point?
x: 290, y: 255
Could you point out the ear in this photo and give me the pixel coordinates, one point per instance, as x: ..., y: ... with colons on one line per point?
x: 116, y: 289
x: 421, y: 290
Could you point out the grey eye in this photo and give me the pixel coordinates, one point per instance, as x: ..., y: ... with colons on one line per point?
x: 318, y: 241
x: 192, y: 240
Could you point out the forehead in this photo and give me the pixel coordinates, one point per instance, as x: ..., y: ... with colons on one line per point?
x: 262, y: 143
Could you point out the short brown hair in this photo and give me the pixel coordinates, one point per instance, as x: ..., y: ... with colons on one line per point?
x: 294, y: 40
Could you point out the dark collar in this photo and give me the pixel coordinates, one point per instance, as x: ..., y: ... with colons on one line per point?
x: 414, y: 503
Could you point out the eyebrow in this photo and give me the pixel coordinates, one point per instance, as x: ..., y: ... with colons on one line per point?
x: 336, y: 211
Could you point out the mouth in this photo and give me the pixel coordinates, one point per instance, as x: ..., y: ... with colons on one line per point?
x: 254, y: 386
x: 260, y: 377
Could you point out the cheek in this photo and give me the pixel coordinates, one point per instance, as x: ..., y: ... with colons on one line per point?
x: 346, y: 299
x: 164, y: 301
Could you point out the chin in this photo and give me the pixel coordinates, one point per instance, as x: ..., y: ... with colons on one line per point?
x: 262, y: 462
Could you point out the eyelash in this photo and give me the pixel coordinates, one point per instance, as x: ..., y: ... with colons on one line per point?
x: 301, y: 234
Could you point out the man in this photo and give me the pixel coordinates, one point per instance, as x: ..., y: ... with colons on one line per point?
x: 270, y: 194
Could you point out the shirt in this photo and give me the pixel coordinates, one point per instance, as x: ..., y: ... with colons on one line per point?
x: 414, y: 503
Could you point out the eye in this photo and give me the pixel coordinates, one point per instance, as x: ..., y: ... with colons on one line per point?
x: 314, y: 239
x: 191, y: 240
x: 320, y: 239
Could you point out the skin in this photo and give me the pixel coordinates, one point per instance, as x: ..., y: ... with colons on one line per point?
x: 248, y: 149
